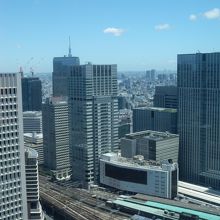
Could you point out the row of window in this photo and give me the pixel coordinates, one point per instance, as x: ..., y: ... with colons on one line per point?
x: 9, y: 114
x: 8, y: 121
x: 8, y: 91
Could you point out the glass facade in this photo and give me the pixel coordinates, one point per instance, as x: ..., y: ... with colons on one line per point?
x: 125, y: 174
x: 199, y: 118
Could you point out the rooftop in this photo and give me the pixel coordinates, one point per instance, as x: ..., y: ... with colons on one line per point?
x: 153, y: 135
x: 32, y: 114
x: 157, y: 208
x: 34, y: 135
x: 158, y: 109
x: 31, y: 152
x: 138, y: 162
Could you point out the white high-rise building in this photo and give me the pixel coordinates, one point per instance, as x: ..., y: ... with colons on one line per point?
x: 35, y: 211
x: 13, y: 201
x: 93, y: 117
x: 56, y: 137
x: 35, y: 141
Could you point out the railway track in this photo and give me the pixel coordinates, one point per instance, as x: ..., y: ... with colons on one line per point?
x: 77, y: 209
x: 79, y: 200
x: 73, y: 203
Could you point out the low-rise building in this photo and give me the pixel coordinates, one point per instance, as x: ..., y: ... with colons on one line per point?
x: 152, y: 145
x: 139, y: 176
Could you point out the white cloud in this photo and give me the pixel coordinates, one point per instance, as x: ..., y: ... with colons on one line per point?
x: 193, y: 17
x: 114, y: 31
x: 162, y: 27
x: 212, y: 14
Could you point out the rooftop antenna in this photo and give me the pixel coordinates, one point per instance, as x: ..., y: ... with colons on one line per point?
x: 21, y: 72
x: 32, y: 72
x: 69, y: 55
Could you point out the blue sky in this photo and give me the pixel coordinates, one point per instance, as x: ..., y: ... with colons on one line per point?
x: 135, y: 34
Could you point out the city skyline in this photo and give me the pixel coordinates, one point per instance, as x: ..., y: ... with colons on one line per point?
x: 137, y: 36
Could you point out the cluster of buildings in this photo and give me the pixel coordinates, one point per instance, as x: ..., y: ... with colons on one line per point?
x: 88, y: 133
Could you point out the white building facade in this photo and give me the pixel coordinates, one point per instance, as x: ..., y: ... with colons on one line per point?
x: 93, y: 107
x: 139, y: 176
x: 35, y: 141
x: 35, y: 211
x: 13, y: 202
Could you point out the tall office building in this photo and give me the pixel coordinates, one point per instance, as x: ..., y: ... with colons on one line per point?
x: 35, y: 141
x: 32, y: 121
x: 13, y: 201
x: 31, y: 93
x: 150, y: 75
x: 94, y: 118
x: 61, y: 69
x: 124, y: 122
x: 56, y: 137
x: 198, y: 83
x: 35, y: 211
x: 166, y: 97
x: 156, y: 119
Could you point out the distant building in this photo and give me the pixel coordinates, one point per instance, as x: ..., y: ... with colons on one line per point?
x: 61, y: 71
x: 122, y: 102
x: 166, y: 97
x: 56, y: 137
x: 198, y: 81
x: 156, y: 119
x: 31, y: 94
x: 35, y: 211
x: 93, y: 106
x: 139, y: 176
x: 153, y: 145
x: 35, y: 141
x: 124, y: 127
x: 12, y: 162
x: 32, y: 121
x: 150, y: 75
x: 124, y: 123
x: 162, y: 77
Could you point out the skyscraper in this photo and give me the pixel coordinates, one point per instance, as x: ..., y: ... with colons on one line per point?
x: 31, y: 93
x: 61, y: 69
x: 94, y: 118
x: 156, y: 119
x: 13, y: 201
x: 199, y: 118
x: 35, y: 141
x: 35, y: 211
x: 32, y: 121
x: 150, y: 75
x: 166, y: 97
x: 56, y: 137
